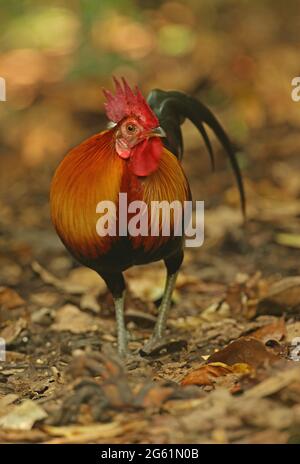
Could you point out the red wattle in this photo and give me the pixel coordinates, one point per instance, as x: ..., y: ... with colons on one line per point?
x: 145, y: 157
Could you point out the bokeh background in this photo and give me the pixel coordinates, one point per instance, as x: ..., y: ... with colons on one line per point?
x: 237, y: 56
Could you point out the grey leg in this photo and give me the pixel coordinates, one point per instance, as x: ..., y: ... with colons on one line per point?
x: 116, y: 284
x: 121, y: 328
x: 158, y: 332
x: 165, y: 306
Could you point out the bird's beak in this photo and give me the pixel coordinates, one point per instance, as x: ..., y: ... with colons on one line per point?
x: 157, y: 132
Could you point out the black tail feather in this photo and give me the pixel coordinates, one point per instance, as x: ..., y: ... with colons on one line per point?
x: 172, y: 108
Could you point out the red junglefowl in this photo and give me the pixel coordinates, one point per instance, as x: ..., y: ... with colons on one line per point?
x: 138, y: 155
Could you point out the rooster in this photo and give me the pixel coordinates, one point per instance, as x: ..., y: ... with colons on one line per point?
x: 139, y: 154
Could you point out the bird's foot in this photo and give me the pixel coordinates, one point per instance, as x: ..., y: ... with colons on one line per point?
x: 134, y: 360
x: 152, y: 345
x: 129, y: 359
x: 157, y: 346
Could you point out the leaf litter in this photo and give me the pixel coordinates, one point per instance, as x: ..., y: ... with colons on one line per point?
x: 65, y: 383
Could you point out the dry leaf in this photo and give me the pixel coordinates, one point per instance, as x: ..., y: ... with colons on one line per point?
x: 148, y: 282
x: 79, y: 280
x: 6, y: 403
x: 244, y: 350
x: 70, y: 318
x: 156, y: 396
x: 216, y: 312
x: 275, y: 331
x: 83, y: 277
x: 23, y: 416
x: 45, y: 299
x: 207, y: 373
x: 13, y: 330
x: 283, y: 295
x: 9, y: 299
x: 89, y: 300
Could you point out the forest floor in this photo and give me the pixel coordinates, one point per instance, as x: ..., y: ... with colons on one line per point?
x: 229, y: 372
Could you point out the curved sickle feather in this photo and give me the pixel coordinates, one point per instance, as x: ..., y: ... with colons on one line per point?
x: 172, y: 108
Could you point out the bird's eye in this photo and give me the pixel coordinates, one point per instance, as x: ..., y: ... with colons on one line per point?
x: 131, y: 128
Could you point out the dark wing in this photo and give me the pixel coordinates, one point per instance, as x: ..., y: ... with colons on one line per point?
x: 172, y: 108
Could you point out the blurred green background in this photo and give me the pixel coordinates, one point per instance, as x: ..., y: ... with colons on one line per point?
x: 237, y: 56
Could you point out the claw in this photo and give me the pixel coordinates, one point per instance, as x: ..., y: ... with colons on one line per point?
x: 162, y: 345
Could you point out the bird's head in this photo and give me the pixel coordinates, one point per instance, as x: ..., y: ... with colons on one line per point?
x: 137, y: 135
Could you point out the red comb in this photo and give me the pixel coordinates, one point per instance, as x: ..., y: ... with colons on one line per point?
x: 126, y: 103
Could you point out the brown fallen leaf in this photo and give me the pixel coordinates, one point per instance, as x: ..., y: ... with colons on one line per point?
x: 44, y: 299
x: 70, y: 318
x: 13, y: 330
x: 282, y: 295
x: 208, y: 373
x: 153, y: 396
x: 83, y: 277
x: 275, y: 331
x: 6, y: 403
x: 147, y: 282
x: 156, y: 396
x: 246, y: 350
x: 89, y: 300
x: 215, y: 312
x: 79, y: 280
x: 10, y: 299
x: 23, y: 416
